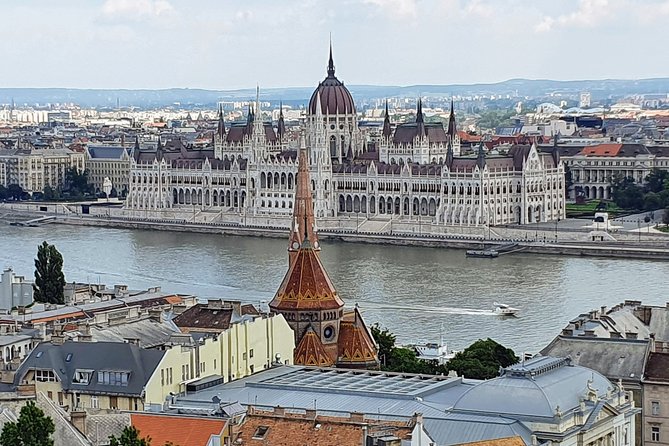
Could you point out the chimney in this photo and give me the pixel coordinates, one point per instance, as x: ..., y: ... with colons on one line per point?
x: 418, y: 418
x: 590, y: 333
x: 567, y: 332
x: 85, y: 331
x: 237, y: 307
x: 279, y: 411
x: 310, y: 414
x: 631, y: 335
x: 156, y: 314
x: 602, y: 310
x: 215, y: 304
x: 57, y: 338
x: 357, y: 417
x: 78, y: 420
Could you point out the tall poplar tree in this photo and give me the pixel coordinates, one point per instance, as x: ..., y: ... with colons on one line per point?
x: 49, y: 278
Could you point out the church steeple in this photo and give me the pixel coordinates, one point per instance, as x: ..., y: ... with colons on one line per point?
x: 303, y: 231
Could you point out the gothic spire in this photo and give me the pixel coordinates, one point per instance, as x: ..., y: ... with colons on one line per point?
x: 281, y: 125
x: 136, y: 143
x: 449, y: 155
x: 221, y: 123
x: 303, y: 231
x: 420, y: 124
x: 452, y: 129
x: 386, y: 123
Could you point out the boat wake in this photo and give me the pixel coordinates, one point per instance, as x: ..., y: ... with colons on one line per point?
x: 427, y: 309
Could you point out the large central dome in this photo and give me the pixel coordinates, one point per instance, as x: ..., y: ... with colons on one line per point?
x: 335, y: 98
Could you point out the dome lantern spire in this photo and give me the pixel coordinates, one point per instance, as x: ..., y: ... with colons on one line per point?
x: 331, y: 67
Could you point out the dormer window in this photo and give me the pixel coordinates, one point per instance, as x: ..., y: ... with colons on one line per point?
x: 112, y: 378
x: 82, y: 376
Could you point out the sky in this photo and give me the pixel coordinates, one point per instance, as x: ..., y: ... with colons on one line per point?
x: 221, y: 44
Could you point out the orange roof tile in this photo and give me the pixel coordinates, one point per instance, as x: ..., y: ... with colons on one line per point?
x: 356, y: 345
x: 182, y: 431
x: 310, y: 351
x: 306, y: 286
x: 290, y: 430
x: 611, y: 149
x: 508, y: 441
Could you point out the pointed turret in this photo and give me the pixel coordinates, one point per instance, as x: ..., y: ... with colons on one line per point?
x: 452, y: 128
x: 386, y: 122
x: 480, y: 159
x: 281, y: 125
x: 136, y: 143
x: 220, y: 130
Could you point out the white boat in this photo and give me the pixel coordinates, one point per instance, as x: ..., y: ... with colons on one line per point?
x: 504, y: 310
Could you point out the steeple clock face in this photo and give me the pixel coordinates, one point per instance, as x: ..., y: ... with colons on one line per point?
x: 316, y: 245
x: 295, y: 245
x: 328, y: 333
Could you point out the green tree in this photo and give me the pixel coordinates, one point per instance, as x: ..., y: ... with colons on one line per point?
x: 49, y: 277
x: 129, y: 437
x: 32, y: 428
x: 482, y: 360
x: 15, y: 191
x: 385, y: 340
x: 656, y: 181
x: 76, y: 182
x: 49, y: 193
x: 626, y: 193
x: 401, y: 359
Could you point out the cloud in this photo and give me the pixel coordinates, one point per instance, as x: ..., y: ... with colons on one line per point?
x: 589, y: 14
x: 398, y: 9
x: 136, y: 9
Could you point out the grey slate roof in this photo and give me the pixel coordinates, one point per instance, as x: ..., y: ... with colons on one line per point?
x: 149, y: 332
x: 613, y: 358
x: 96, y: 356
x: 106, y: 152
x: 456, y: 429
x: 538, y: 386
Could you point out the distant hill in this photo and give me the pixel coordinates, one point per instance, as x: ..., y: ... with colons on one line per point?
x: 295, y: 96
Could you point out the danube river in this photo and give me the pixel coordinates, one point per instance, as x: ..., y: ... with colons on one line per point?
x: 418, y: 293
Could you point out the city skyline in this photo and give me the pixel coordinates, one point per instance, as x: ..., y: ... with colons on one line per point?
x: 156, y: 44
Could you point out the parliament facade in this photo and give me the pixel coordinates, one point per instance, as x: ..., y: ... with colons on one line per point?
x: 414, y: 172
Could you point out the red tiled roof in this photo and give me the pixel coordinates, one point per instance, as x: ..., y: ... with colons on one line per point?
x: 602, y: 150
x: 182, y: 431
x: 306, y: 286
x: 310, y: 351
x: 356, y: 345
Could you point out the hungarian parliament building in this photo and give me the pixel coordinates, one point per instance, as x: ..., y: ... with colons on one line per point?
x: 412, y: 172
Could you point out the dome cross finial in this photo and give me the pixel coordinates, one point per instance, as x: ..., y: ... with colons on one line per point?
x: 331, y: 67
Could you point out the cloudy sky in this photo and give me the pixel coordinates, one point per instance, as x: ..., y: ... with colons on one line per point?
x: 221, y: 44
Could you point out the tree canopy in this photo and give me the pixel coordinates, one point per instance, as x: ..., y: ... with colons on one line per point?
x: 482, y: 359
x: 651, y: 195
x: 49, y: 278
x: 129, y: 437
x: 32, y: 428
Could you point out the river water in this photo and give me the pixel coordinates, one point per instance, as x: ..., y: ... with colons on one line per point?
x: 420, y: 294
